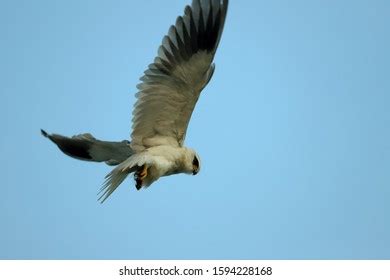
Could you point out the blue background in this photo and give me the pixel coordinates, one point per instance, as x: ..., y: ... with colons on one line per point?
x: 293, y: 132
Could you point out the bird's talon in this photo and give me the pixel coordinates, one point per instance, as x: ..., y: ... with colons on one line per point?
x: 139, y: 176
x: 141, y: 173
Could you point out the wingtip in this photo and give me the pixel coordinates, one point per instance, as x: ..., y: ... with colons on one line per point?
x: 44, y: 133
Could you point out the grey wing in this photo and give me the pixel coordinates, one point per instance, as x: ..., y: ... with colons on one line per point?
x: 86, y: 147
x: 172, y: 84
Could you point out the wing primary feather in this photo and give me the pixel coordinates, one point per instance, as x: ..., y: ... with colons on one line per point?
x: 201, y: 30
x: 170, y: 51
x: 172, y: 36
x: 185, y: 22
x: 177, y: 54
x: 196, y: 11
x: 182, y: 39
x: 211, y: 34
x: 206, y: 9
x: 193, y: 33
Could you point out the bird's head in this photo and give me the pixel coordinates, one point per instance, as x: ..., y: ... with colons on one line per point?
x: 192, y: 162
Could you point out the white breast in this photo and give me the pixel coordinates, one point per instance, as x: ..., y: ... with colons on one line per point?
x: 164, y: 161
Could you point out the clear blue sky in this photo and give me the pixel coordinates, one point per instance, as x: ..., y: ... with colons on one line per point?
x: 293, y: 133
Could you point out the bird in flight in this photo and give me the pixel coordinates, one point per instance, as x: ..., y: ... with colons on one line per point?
x: 167, y: 95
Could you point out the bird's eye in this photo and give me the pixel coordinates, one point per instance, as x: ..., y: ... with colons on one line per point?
x: 195, y: 162
x: 195, y: 166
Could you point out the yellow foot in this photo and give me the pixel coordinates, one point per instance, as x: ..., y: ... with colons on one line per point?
x: 142, y: 173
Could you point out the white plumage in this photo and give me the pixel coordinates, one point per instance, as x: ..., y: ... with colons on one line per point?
x: 160, y: 161
x: 167, y: 95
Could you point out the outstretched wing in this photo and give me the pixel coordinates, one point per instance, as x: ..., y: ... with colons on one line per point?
x: 86, y: 147
x: 171, y: 85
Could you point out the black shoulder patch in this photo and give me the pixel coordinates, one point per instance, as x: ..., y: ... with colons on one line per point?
x: 75, y: 148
